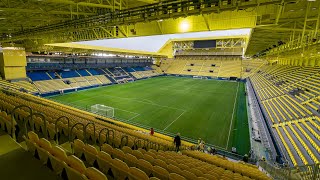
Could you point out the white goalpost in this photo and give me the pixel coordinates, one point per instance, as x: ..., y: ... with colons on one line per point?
x: 102, y: 110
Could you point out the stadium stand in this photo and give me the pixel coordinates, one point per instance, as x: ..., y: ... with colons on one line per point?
x: 204, y: 66
x: 286, y: 93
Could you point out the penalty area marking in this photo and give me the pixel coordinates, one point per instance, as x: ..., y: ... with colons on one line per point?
x: 234, y: 106
x: 174, y: 120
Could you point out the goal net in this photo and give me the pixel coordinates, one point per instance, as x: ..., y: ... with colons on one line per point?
x: 103, y: 110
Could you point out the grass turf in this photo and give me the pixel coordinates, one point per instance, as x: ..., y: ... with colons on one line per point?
x: 195, y: 108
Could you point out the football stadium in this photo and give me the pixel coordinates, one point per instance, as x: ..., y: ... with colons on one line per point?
x: 160, y: 89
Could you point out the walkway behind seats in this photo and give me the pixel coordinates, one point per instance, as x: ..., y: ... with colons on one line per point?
x: 17, y: 164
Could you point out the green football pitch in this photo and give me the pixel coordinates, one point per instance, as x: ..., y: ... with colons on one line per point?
x: 208, y: 109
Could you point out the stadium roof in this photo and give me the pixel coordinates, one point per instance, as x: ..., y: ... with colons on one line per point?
x: 152, y: 44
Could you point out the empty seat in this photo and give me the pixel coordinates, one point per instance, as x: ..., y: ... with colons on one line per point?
x: 119, y: 169
x: 107, y: 148
x: 90, y: 153
x: 104, y: 161
x: 188, y: 174
x: 75, y: 168
x: 78, y: 147
x: 137, y: 154
x: 31, y: 142
x: 137, y: 174
x: 160, y: 163
x: 43, y: 148
x: 57, y: 158
x: 126, y: 149
x: 131, y: 160
x: 94, y: 174
x: 174, y: 176
x: 145, y: 166
x: 160, y: 172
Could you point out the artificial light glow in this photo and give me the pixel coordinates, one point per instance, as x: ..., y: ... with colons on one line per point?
x: 184, y: 26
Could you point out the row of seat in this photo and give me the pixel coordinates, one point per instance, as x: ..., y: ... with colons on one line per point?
x: 132, y: 164
x: 144, y: 74
x: 289, y: 113
x: 27, y: 85
x: 56, y: 158
x: 203, y: 66
x: 161, y: 164
x: 53, y: 111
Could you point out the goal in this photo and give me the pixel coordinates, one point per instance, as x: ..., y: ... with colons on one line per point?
x: 103, y: 110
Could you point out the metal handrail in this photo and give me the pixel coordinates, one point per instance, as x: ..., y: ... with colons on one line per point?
x: 85, y: 131
x: 56, y: 126
x: 70, y: 132
x: 45, y: 130
x: 127, y: 140
x: 107, y: 134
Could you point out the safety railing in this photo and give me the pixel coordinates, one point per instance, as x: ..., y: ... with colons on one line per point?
x: 276, y: 171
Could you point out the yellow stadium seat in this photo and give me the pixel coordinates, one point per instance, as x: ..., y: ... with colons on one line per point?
x: 90, y: 153
x: 160, y: 163
x: 174, y: 169
x: 174, y: 176
x: 137, y: 154
x: 131, y: 160
x: 104, y: 161
x: 126, y: 149
x: 75, y: 168
x: 145, y: 166
x: 78, y: 147
x: 94, y: 174
x: 118, y: 153
x: 160, y: 173
x: 57, y: 158
x: 188, y: 174
x: 107, y: 148
x: 31, y: 142
x: 119, y: 169
x: 43, y: 148
x: 148, y: 158
x: 137, y: 174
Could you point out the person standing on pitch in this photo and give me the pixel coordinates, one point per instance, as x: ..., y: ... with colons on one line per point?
x: 177, y: 142
x: 151, y: 131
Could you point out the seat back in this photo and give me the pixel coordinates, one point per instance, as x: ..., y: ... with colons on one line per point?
x: 91, y: 149
x: 33, y: 136
x: 196, y: 172
x: 76, y: 163
x: 118, y: 153
x: 160, y: 172
x: 131, y: 160
x: 105, y: 156
x: 79, y: 143
x: 160, y: 163
x: 126, y: 149
x: 148, y: 158
x: 174, y: 169
x: 45, y: 144
x: 137, y: 154
x: 145, y: 166
x: 94, y: 174
x: 107, y: 148
x: 174, y: 176
x: 137, y: 174
x: 189, y: 175
x: 58, y: 152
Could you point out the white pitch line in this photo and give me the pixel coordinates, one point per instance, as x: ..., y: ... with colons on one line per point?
x: 234, y: 106
x: 174, y: 120
x: 134, y: 117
